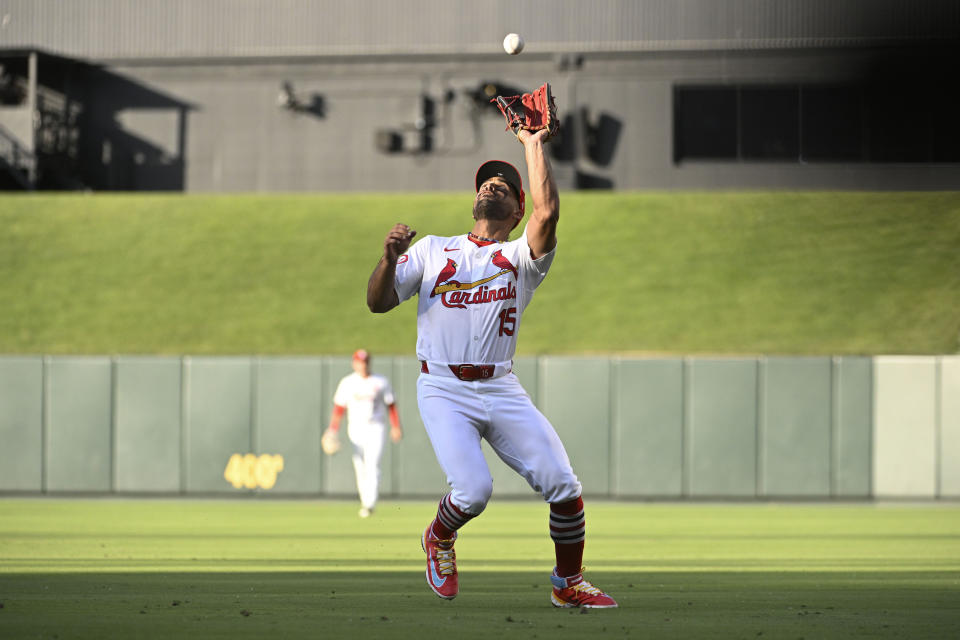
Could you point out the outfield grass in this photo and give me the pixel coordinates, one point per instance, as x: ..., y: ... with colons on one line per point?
x: 238, y: 569
x: 788, y: 273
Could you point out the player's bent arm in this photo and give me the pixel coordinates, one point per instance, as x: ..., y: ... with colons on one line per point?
x: 335, y: 417
x: 394, y: 416
x: 396, y: 431
x: 381, y: 296
x: 542, y: 228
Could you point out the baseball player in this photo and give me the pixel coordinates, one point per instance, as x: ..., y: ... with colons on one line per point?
x: 473, y: 289
x: 367, y: 399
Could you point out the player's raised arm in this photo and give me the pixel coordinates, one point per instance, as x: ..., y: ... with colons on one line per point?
x: 381, y: 296
x: 542, y: 227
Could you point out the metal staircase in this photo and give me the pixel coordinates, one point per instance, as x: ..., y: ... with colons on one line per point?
x: 18, y: 164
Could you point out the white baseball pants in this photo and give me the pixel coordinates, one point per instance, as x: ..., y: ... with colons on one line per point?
x: 367, y: 443
x: 457, y: 414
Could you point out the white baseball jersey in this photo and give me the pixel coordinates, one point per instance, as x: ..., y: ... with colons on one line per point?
x: 366, y: 399
x: 472, y: 295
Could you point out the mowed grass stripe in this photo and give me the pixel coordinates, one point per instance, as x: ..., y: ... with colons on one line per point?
x: 128, y: 535
x: 787, y: 273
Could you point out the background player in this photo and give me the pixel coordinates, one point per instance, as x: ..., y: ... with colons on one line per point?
x: 366, y: 398
x: 473, y: 289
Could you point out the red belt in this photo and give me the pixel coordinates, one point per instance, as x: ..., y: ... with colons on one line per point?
x: 466, y: 372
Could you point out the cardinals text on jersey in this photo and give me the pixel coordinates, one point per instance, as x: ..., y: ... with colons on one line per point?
x: 472, y: 295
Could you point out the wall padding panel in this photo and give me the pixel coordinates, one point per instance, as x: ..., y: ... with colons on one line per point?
x: 575, y: 397
x: 795, y: 435
x: 21, y: 424
x: 147, y: 443
x: 288, y: 420
x: 852, y: 427
x: 949, y: 462
x: 648, y: 428
x: 218, y: 420
x: 79, y: 419
x: 905, y: 419
x: 721, y: 430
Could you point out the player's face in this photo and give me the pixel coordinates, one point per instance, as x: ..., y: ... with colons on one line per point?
x: 362, y: 367
x: 495, y: 200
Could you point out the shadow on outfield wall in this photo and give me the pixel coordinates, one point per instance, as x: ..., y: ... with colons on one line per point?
x: 97, y: 129
x: 131, y: 136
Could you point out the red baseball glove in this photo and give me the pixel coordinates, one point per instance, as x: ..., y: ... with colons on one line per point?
x: 531, y: 111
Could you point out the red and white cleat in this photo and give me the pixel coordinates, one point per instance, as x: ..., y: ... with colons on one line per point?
x: 574, y: 591
x: 441, y: 564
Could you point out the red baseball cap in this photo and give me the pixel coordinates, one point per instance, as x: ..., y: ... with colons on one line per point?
x: 505, y: 170
x: 361, y: 354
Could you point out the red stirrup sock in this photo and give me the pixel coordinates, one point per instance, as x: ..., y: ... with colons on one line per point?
x: 568, y: 530
x: 449, y: 519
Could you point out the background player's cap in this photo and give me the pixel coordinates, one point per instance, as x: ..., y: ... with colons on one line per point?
x: 505, y: 170
x: 361, y: 354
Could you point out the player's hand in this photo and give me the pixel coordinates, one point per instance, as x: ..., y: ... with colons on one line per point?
x: 397, y: 241
x: 540, y: 136
x: 396, y: 434
x: 330, y: 442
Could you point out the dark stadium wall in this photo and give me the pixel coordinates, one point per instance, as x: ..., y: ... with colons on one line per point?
x: 322, y: 95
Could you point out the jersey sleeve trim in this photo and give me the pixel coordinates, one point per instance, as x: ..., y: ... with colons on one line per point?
x: 409, y: 273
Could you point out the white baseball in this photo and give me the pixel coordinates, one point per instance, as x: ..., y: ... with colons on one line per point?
x: 513, y: 44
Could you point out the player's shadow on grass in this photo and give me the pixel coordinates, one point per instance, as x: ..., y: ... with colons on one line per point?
x: 360, y: 601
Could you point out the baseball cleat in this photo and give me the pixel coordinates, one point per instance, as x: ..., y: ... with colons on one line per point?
x: 574, y: 591
x: 365, y: 512
x: 441, y: 564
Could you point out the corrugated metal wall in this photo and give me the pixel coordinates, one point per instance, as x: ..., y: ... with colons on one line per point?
x: 111, y: 29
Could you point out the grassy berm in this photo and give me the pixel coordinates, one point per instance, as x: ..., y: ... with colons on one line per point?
x: 636, y: 273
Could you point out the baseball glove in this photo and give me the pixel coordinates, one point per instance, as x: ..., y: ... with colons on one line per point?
x: 531, y: 111
x: 330, y: 442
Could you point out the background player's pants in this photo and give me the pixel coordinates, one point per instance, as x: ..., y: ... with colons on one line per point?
x: 367, y: 441
x: 457, y: 414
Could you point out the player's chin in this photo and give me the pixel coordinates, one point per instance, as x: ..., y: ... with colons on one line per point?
x: 489, y: 209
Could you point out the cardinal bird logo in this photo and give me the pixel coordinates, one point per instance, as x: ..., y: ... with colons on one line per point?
x: 499, y: 261
x: 445, y: 274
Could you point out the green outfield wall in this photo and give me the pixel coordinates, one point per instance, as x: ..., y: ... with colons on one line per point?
x: 675, y: 428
